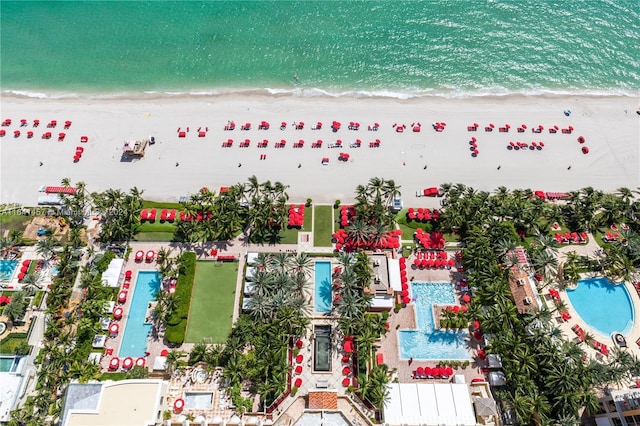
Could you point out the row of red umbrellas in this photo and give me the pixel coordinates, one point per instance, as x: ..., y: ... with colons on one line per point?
x: 434, y: 371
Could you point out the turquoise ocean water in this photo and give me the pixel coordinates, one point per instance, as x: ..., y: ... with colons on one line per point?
x: 452, y: 48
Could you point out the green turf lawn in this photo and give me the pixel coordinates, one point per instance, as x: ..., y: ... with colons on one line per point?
x: 146, y: 204
x: 323, y: 226
x: 154, y: 236
x: 211, y: 311
x: 13, y: 221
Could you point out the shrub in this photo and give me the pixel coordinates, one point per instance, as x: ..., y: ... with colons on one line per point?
x: 177, y: 322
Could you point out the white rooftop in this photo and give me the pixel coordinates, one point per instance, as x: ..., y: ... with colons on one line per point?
x: 429, y: 404
x: 111, y: 276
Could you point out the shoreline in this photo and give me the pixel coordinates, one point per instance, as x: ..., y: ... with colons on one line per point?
x: 611, y: 134
x: 301, y: 92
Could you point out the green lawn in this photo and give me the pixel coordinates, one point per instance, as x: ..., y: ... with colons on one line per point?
x: 212, y: 302
x: 157, y: 226
x: 146, y: 204
x: 323, y: 226
x: 154, y: 236
x: 13, y: 221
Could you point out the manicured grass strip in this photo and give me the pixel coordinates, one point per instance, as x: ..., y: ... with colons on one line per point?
x: 154, y: 236
x: 322, y: 226
x: 157, y: 226
x: 177, y: 323
x: 308, y: 219
x: 212, y: 302
x: 146, y: 204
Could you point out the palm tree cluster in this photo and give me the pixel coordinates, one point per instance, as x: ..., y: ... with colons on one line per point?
x: 9, y: 245
x: 224, y: 215
x: 68, y: 334
x: 255, y: 355
x: 75, y: 207
x: 120, y: 213
x: 258, y: 206
x: 280, y: 282
x: 548, y: 378
x: 373, y: 217
x: 355, y: 320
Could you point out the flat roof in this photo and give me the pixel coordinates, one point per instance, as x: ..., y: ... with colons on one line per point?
x: 124, y: 403
x: 429, y: 404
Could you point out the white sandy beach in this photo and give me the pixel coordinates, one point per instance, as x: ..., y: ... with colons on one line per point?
x: 610, y: 126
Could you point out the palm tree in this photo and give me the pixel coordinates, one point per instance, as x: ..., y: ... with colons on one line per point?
x: 47, y: 247
x: 31, y: 282
x: 173, y: 357
x: 16, y: 307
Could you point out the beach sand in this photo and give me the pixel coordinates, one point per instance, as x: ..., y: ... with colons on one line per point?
x: 610, y: 126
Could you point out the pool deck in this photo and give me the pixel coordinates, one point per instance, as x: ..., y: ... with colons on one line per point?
x: 632, y: 336
x: 406, y: 319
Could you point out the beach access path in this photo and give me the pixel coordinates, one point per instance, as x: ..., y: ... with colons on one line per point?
x: 177, y: 166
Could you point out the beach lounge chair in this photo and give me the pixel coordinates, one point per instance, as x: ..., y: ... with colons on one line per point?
x: 317, y: 144
x: 67, y: 124
x: 246, y: 126
x: 355, y: 144
x: 52, y: 124
x: 373, y: 128
x: 325, y: 161
x: 281, y: 144
x: 299, y: 126
x: 299, y: 144
x: 230, y: 126
x: 245, y: 143
x: 263, y: 144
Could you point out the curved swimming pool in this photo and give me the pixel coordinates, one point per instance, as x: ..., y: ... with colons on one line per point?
x: 605, y: 307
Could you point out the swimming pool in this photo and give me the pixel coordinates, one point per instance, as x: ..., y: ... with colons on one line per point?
x: 597, y: 299
x: 425, y: 342
x: 136, y: 332
x: 7, y: 267
x: 198, y: 400
x: 322, y: 287
x: 7, y: 364
x: 322, y: 348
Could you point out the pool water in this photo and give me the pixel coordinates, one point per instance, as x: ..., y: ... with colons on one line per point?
x: 322, y: 287
x: 7, y: 267
x: 605, y: 307
x: 322, y: 348
x: 425, y: 342
x: 136, y: 331
x: 198, y: 400
x: 7, y: 364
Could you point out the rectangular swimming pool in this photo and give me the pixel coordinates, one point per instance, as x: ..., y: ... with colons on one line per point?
x: 322, y: 287
x: 198, y: 400
x: 322, y: 348
x: 136, y: 331
x: 7, y: 364
x: 426, y: 342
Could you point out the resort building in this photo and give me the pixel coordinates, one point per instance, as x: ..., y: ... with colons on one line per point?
x: 124, y: 403
x: 13, y: 373
x: 619, y: 408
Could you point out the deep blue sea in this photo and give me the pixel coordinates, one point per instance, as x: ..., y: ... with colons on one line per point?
x: 451, y: 48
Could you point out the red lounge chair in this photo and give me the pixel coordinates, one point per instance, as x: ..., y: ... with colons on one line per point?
x: 36, y: 123
x: 16, y: 133
x: 3, y: 132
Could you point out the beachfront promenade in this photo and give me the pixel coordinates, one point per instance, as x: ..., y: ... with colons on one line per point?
x: 176, y: 166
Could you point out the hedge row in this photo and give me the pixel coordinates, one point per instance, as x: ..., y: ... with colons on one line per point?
x: 177, y: 323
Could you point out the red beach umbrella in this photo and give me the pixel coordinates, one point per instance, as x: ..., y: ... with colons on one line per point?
x: 298, y: 382
x: 298, y: 369
x: 299, y: 358
x: 585, y: 149
x: 466, y: 298
x: 346, y: 382
x: 299, y: 344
